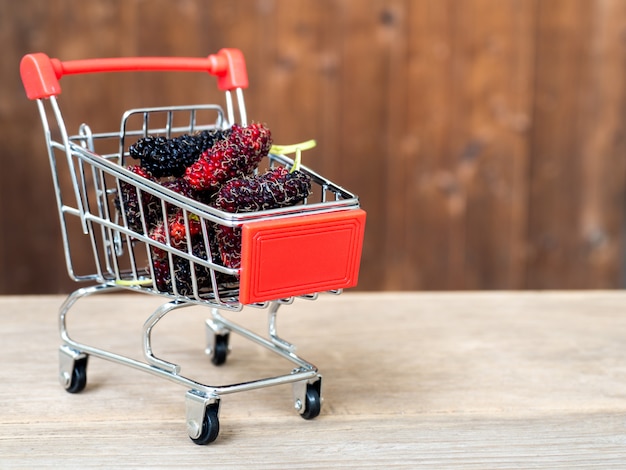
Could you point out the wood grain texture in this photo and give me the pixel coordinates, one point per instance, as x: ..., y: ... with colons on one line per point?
x: 450, y: 380
x: 577, y: 79
x: 485, y: 138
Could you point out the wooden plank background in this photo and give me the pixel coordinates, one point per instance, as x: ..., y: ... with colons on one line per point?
x: 485, y: 138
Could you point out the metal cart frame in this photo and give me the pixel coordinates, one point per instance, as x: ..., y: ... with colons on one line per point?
x: 122, y: 253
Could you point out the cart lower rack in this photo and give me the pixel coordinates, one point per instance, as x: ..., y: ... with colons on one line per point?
x: 154, y: 230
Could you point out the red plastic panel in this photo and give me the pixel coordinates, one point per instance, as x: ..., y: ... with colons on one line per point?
x: 300, y: 255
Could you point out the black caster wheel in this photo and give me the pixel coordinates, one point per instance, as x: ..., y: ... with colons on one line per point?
x: 78, y: 376
x: 210, y: 426
x: 220, y: 349
x: 312, y: 402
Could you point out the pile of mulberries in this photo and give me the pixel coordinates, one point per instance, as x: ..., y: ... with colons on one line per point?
x: 216, y: 167
x: 180, y: 268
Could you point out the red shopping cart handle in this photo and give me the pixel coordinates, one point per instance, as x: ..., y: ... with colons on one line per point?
x: 41, y: 74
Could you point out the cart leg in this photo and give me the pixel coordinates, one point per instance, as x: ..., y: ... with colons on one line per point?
x: 203, y: 423
x: 273, y: 329
x: 147, y: 337
x: 307, y: 397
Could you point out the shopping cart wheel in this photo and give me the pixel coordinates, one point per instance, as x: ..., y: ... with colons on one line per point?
x: 210, y: 425
x: 78, y: 379
x: 72, y: 369
x: 312, y: 402
x: 219, y: 351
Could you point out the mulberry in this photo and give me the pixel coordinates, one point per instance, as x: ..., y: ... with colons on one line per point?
x: 235, y: 156
x: 181, y: 267
x: 130, y: 202
x: 273, y: 189
x: 176, y: 231
x: 182, y: 273
x: 180, y: 186
x: 169, y: 157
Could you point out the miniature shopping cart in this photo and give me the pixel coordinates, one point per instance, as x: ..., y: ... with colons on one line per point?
x: 326, y: 230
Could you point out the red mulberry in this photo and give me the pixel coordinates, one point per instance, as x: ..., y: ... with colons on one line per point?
x: 234, y: 156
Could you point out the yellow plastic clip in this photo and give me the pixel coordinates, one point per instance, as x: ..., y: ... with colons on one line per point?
x: 134, y: 282
x: 297, y: 148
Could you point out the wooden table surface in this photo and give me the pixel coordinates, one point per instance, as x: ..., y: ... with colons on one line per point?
x: 415, y: 380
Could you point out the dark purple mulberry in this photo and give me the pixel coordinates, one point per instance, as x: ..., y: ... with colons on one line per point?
x: 170, y: 157
x: 274, y: 189
x: 130, y: 202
